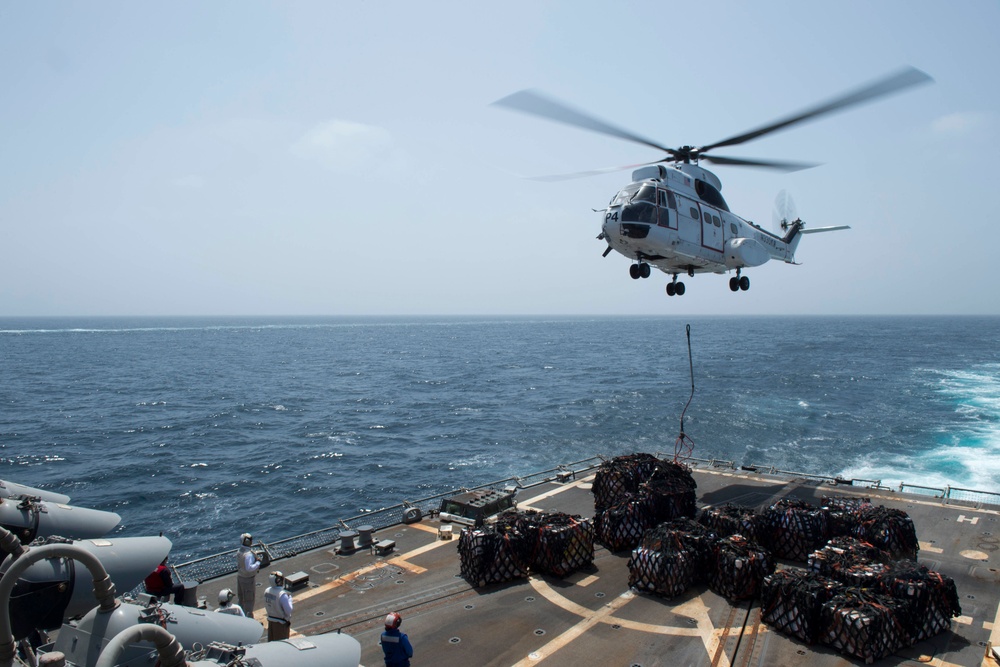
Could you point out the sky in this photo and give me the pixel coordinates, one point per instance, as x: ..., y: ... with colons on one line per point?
x: 343, y: 158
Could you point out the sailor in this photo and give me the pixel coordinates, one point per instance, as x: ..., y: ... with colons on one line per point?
x: 278, y: 605
x: 161, y: 584
x: 226, y: 605
x: 395, y: 644
x: 247, y: 565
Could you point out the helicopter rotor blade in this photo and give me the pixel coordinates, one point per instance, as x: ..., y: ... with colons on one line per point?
x: 898, y: 81
x: 592, y: 172
x: 779, y: 165
x: 531, y: 102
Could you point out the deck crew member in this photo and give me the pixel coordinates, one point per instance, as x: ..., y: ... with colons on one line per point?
x: 247, y: 565
x: 278, y: 605
x: 395, y: 644
x: 226, y: 605
x: 161, y: 584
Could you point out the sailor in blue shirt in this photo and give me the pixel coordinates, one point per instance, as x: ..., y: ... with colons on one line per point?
x: 395, y: 644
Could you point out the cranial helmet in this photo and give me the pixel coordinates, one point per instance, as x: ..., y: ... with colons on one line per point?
x: 246, y: 539
x: 277, y: 578
x: 225, y: 596
x: 393, y: 621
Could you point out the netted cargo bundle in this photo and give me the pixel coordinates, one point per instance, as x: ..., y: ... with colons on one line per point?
x: 491, y: 557
x: 666, y: 573
x: 791, y: 602
x: 667, y: 499
x: 863, y: 625
x: 843, y: 512
x: 730, y: 519
x: 621, y: 527
x: 565, y: 544
x: 684, y: 535
x: 861, y: 575
x: 841, y: 553
x: 794, y: 529
x: 738, y: 568
x: 620, y: 476
x: 888, y: 529
x: 931, y: 597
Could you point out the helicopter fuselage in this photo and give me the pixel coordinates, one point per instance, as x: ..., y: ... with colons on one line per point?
x: 675, y: 218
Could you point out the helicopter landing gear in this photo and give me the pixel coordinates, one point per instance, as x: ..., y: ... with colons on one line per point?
x: 640, y: 270
x: 739, y: 282
x: 675, y: 287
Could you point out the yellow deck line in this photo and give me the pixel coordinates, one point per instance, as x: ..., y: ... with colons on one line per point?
x: 549, y: 494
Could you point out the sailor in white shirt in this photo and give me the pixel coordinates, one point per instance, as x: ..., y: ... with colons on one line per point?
x: 247, y: 565
x: 278, y: 604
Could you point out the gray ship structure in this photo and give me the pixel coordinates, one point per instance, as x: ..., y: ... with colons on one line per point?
x: 635, y: 561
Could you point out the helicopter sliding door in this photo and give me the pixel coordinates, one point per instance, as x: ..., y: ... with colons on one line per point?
x: 711, y: 229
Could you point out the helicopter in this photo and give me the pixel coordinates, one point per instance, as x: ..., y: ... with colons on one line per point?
x: 672, y: 215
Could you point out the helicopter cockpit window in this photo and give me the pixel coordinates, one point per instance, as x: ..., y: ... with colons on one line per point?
x: 646, y: 193
x: 667, y: 199
x: 710, y: 195
x: 626, y: 194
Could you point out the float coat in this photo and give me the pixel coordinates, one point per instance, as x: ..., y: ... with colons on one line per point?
x: 55, y: 589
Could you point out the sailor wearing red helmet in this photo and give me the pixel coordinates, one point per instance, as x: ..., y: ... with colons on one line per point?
x: 395, y: 644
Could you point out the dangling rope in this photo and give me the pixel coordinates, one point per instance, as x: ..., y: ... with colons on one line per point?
x: 683, y: 446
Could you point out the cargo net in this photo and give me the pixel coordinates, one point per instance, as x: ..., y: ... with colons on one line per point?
x: 667, y: 493
x: 732, y: 519
x: 490, y: 555
x: 560, y: 543
x: 738, y: 568
x: 620, y: 476
x: 842, y: 511
x: 791, y: 602
x: 931, y: 597
x: 523, y: 541
x: 888, y: 529
x: 882, y: 605
x: 864, y: 624
x: 672, y: 556
x: 793, y: 528
x: 841, y: 558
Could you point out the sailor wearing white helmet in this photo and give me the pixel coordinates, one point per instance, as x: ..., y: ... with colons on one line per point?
x: 278, y: 604
x: 226, y: 605
x: 395, y: 644
x: 247, y: 565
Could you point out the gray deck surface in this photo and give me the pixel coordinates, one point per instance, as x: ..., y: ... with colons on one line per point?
x: 592, y: 618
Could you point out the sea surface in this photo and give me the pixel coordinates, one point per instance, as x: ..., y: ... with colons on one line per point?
x: 205, y: 428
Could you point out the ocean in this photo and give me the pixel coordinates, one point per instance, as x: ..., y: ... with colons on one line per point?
x: 203, y: 428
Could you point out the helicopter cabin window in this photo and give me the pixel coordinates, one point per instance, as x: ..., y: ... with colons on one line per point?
x: 710, y: 195
x: 732, y: 228
x: 716, y: 221
x: 694, y: 213
x: 707, y: 217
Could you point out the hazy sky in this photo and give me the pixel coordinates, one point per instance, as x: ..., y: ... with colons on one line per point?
x: 216, y: 158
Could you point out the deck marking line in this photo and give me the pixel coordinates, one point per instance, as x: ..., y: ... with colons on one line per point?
x: 428, y: 529
x: 964, y: 620
x: 399, y: 561
x: 548, y: 494
x: 546, y: 591
x: 586, y: 581
x: 575, y: 631
x: 926, y: 546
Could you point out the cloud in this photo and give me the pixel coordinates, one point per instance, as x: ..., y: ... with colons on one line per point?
x: 961, y: 123
x: 345, y: 146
